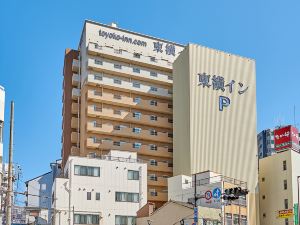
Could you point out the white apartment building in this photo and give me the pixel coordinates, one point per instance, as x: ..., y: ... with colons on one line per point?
x: 278, y: 188
x: 105, y: 190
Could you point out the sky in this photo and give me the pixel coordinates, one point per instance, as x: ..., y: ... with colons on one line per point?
x: 34, y: 35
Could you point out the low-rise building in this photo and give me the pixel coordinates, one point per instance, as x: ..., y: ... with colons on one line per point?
x: 278, y: 188
x: 265, y: 143
x: 106, y: 190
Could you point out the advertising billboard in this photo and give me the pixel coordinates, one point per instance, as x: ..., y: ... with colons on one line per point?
x: 287, y: 213
x: 286, y: 138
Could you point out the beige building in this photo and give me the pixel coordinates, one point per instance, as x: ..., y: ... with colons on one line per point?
x: 278, y: 188
x: 118, y: 96
x: 215, y: 117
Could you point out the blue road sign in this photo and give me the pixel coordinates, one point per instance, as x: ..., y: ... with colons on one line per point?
x: 196, y: 215
x: 217, y: 193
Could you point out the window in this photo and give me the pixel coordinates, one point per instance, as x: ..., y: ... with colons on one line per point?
x: 117, y: 96
x: 170, y: 135
x: 153, y: 74
x: 153, y: 192
x: 117, y: 66
x: 137, y: 115
x: 170, y: 120
x: 97, y: 196
x: 153, y: 89
x: 88, y: 196
x: 286, y: 221
x: 286, y: 203
x: 98, y: 62
x: 153, y: 118
x: 153, y: 177
x: 153, y: 132
x: 116, y: 143
x: 263, y: 179
x: 118, y: 112
x: 133, y: 175
x: 170, y: 106
x: 170, y: 91
x: 127, y: 197
x: 284, y: 165
x: 264, y: 215
x: 136, y: 70
x: 117, y: 81
x: 285, y: 184
x: 170, y: 78
x: 136, y: 84
x: 236, y: 219
x: 263, y: 197
x: 153, y: 102
x: 228, y: 218
x: 97, y: 140
x: 98, y: 77
x: 87, y: 171
x: 153, y: 162
x: 118, y: 51
x: 96, y: 124
x: 86, y: 219
x: 125, y: 220
x: 243, y: 220
x: 152, y: 59
x: 137, y: 100
x: 118, y: 127
x: 153, y: 147
x: 98, y: 93
x: 97, y: 108
x: 136, y: 55
x: 136, y: 130
x: 136, y: 145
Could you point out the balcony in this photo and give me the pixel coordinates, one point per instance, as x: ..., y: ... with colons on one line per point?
x: 124, y: 85
x: 74, y: 108
x: 126, y: 101
x: 75, y: 93
x: 75, y: 65
x: 142, y: 150
x: 74, y: 123
x: 161, y: 166
x: 160, y: 181
x: 75, y: 79
x: 94, y: 49
x: 75, y: 151
x: 160, y: 196
x: 74, y: 137
x: 108, y: 129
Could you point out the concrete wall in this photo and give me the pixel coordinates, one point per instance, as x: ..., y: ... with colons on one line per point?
x: 221, y: 141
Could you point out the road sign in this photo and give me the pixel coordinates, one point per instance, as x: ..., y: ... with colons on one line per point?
x: 208, y: 195
x: 196, y: 215
x: 216, y: 193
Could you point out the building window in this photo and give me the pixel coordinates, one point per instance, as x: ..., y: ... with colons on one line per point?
x: 263, y: 197
x: 243, y: 220
x: 118, y: 51
x: 153, y: 74
x: 98, y: 77
x: 117, y: 143
x: 97, y: 196
x: 153, y: 132
x: 136, y: 130
x: 117, y: 81
x: 88, y: 196
x: 136, y: 145
x: 118, y: 127
x: 96, y: 124
x: 86, y: 219
x: 264, y: 215
x: 98, y: 62
x: 117, y: 96
x: 153, y: 177
x: 87, y: 171
x: 285, y: 184
x: 153, y: 118
x: 97, y: 140
x: 125, y: 220
x: 136, y: 70
x: 170, y: 78
x: 153, y: 192
x: 170, y: 120
x: 117, y: 112
x: 136, y: 55
x: 228, y: 218
x: 98, y: 93
x: 136, y: 84
x: 152, y: 59
x: 170, y: 135
x: 170, y: 106
x: 137, y: 100
x: 127, y: 197
x: 153, y: 102
x: 153, y: 147
x: 137, y: 115
x: 153, y: 89
x: 97, y: 109
x: 170, y: 91
x: 263, y: 179
x: 286, y: 221
x: 133, y: 175
x: 284, y: 165
x: 286, y: 203
x: 153, y: 162
x: 117, y: 66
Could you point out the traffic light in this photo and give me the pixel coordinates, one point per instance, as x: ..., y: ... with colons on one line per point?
x: 181, y: 222
x: 232, y: 194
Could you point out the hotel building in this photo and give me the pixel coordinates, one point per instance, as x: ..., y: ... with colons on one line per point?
x: 118, y: 96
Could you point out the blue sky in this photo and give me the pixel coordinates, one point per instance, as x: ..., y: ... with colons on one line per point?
x: 34, y: 34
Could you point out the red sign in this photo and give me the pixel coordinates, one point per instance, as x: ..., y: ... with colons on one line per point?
x: 286, y: 138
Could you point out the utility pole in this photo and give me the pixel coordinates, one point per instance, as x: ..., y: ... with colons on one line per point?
x: 10, y: 167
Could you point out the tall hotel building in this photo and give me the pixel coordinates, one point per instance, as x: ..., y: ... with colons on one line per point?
x: 118, y: 96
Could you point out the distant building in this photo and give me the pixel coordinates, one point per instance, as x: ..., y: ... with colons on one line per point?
x: 265, y: 143
x: 278, y: 185
x: 106, y: 190
x: 209, y: 188
x: 2, y: 106
x: 39, y: 190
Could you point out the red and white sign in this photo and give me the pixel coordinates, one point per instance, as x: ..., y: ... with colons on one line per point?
x: 286, y: 138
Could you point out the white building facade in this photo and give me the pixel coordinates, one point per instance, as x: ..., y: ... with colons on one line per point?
x: 102, y: 190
